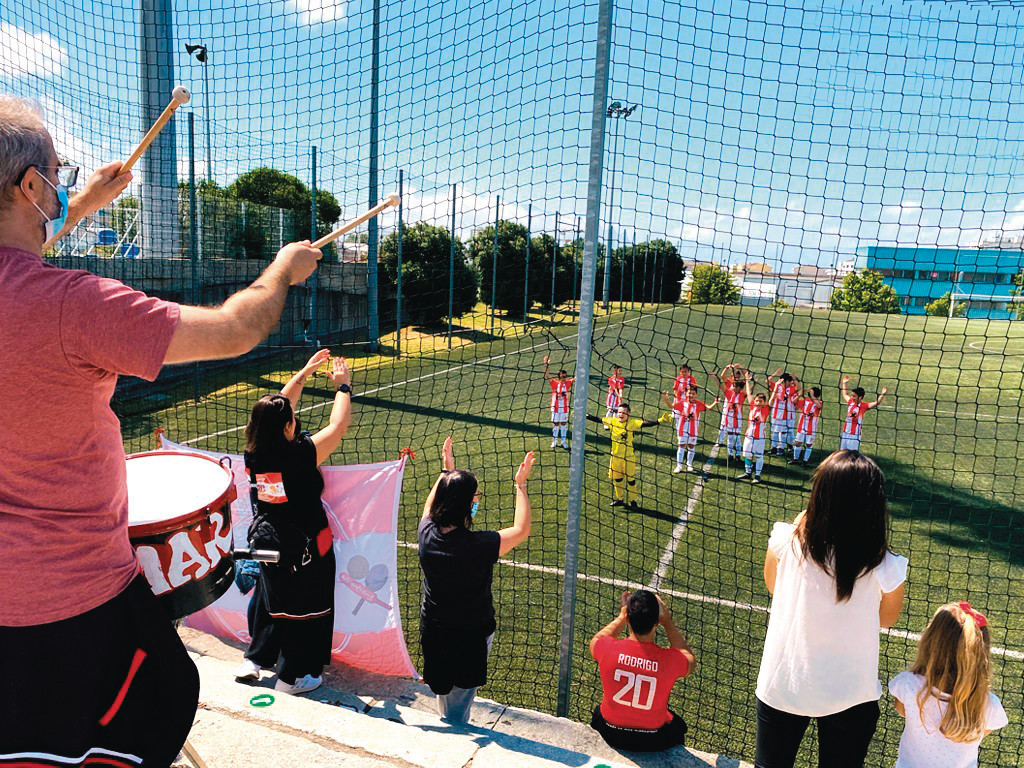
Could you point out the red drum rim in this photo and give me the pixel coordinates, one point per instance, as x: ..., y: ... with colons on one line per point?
x: 229, y: 494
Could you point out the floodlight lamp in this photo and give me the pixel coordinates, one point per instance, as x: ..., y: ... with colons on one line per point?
x: 200, y: 56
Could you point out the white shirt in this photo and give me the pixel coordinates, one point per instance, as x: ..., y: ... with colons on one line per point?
x: 821, y: 657
x: 922, y: 745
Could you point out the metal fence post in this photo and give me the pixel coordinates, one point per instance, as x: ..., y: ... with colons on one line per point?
x: 554, y: 265
x: 398, y: 269
x: 583, y: 341
x: 372, y: 243
x: 494, y: 261
x: 193, y: 235
x: 526, y: 278
x: 451, y: 274
x: 311, y: 329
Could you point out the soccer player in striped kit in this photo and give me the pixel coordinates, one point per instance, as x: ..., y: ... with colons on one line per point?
x: 735, y: 394
x: 687, y: 419
x: 855, y: 410
x: 783, y: 389
x: 809, y: 407
x: 682, y: 385
x: 757, y: 427
x: 616, y: 386
x: 561, y: 392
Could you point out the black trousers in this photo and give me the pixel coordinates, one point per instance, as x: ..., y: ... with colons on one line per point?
x: 671, y: 734
x: 843, y: 738
x: 112, y: 686
x: 299, y: 647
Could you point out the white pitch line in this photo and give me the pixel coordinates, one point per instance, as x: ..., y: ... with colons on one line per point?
x: 696, y: 598
x: 395, y: 384
x: 680, y: 527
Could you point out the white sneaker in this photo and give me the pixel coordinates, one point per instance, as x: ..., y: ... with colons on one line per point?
x: 554, y: 443
x: 689, y: 467
x: 302, y: 685
x: 565, y: 445
x: 678, y: 469
x: 247, y: 670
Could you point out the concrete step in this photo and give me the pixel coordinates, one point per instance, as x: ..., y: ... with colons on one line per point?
x: 368, y: 721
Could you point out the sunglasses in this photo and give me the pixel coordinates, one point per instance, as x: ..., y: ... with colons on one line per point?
x: 67, y: 175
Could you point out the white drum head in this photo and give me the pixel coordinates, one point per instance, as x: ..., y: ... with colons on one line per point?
x: 165, y: 486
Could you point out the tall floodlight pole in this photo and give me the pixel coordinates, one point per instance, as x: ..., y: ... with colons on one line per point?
x: 161, y: 232
x: 615, y: 109
x: 202, y: 54
x: 583, y: 351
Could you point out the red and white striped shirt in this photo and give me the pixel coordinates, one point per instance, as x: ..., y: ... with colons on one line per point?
x: 756, y: 420
x: 732, y: 410
x: 855, y: 418
x: 615, y: 386
x: 682, y: 385
x: 782, y: 408
x: 689, y: 415
x: 810, y: 411
x: 560, y: 389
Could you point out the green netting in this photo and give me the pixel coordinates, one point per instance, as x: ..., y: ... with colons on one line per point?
x: 761, y: 152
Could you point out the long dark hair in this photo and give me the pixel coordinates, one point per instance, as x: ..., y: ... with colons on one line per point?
x: 264, y: 432
x: 453, y: 499
x: 845, y: 530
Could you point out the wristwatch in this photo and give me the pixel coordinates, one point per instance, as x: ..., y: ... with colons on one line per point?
x: 345, y: 388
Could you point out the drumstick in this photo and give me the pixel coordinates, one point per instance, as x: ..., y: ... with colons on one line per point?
x: 179, y: 96
x: 391, y: 202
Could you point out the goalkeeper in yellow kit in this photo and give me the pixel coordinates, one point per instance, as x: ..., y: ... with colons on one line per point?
x: 622, y: 469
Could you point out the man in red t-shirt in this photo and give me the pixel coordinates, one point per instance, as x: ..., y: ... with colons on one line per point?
x: 637, y: 676
x: 77, y: 617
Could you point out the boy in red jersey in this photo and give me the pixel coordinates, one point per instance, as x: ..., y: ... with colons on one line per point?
x: 616, y: 386
x: 855, y: 410
x: 784, y: 388
x: 637, y: 676
x: 687, y: 419
x: 561, y: 392
x: 808, y: 406
x: 757, y: 426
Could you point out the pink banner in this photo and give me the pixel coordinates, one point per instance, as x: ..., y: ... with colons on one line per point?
x: 362, y: 508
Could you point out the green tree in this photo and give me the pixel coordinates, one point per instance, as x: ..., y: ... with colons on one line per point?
x: 940, y: 307
x: 865, y: 292
x: 1017, y: 306
x: 277, y: 189
x: 426, y: 252
x: 511, y: 265
x: 713, y: 285
x: 124, y: 217
x: 650, y: 271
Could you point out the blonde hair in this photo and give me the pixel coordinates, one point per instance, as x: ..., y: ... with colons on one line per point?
x: 953, y: 658
x: 24, y: 141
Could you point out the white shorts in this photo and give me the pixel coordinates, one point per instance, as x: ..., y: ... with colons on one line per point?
x: 849, y: 442
x: 559, y: 418
x: 805, y: 439
x: 753, y: 446
x: 686, y: 438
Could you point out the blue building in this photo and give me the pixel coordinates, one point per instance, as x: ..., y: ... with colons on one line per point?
x: 980, y: 277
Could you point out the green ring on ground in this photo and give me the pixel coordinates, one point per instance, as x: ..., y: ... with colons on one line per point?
x: 262, y: 700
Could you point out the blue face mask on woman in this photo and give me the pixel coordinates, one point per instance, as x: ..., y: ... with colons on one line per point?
x: 473, y: 509
x: 54, y: 226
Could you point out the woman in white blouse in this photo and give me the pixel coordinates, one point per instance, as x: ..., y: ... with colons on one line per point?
x: 834, y: 585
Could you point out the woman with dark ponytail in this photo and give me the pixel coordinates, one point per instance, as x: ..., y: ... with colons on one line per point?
x: 291, y: 615
x: 834, y: 585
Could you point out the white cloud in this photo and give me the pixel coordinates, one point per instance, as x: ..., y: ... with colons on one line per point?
x: 319, y: 11
x: 22, y: 53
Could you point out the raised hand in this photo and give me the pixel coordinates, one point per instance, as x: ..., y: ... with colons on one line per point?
x: 339, y: 373
x: 525, y: 468
x: 316, y: 361
x: 448, y: 455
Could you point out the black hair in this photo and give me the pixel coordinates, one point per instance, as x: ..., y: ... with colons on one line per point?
x: 264, y: 432
x: 626, y: 406
x: 787, y: 377
x: 453, y: 499
x: 816, y: 391
x: 846, y: 527
x: 642, y: 611
x: 859, y: 392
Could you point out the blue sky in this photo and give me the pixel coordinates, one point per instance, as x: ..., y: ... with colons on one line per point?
x: 786, y: 131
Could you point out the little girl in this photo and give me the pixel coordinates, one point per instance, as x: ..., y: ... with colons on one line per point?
x: 944, y: 696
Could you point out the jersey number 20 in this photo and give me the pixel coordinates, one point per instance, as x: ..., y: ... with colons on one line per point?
x: 636, y: 684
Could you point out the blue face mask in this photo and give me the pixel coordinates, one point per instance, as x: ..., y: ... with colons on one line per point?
x: 54, y: 226
x: 473, y: 509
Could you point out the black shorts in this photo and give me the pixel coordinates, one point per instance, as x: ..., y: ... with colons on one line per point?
x: 671, y: 734
x: 113, y: 686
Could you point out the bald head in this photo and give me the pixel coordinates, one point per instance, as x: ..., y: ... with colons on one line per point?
x: 24, y: 141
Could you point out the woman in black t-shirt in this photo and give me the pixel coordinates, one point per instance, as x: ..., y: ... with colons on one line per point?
x: 291, y: 614
x: 457, y: 617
